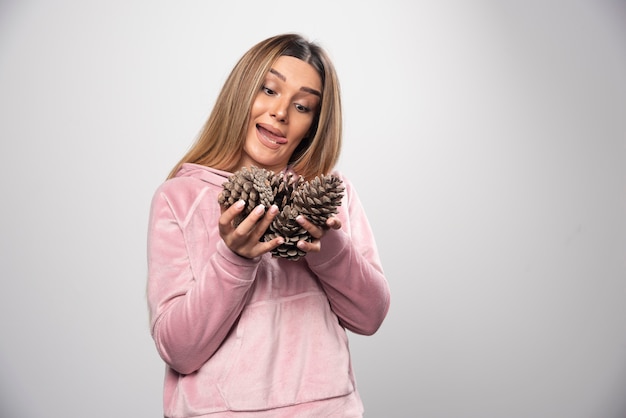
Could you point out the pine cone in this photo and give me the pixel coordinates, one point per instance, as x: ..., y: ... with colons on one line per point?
x: 285, y: 225
x: 250, y: 184
x: 284, y: 184
x: 319, y: 198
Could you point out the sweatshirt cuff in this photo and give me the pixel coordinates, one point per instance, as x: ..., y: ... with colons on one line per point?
x: 334, y: 243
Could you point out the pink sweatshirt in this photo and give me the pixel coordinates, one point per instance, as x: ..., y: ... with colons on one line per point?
x: 263, y: 334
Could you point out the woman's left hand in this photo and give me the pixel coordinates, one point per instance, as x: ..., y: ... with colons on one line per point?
x: 316, y: 232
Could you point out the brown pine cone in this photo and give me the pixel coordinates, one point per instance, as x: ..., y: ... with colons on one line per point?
x: 317, y: 199
x: 285, y: 225
x: 250, y: 184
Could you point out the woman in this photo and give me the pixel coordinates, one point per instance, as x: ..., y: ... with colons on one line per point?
x: 245, y: 334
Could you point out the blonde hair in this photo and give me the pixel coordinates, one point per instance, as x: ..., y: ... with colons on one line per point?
x: 221, y: 140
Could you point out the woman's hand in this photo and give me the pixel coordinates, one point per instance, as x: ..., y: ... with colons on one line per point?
x: 245, y: 239
x: 316, y: 232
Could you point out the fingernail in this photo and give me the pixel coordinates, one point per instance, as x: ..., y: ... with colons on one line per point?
x: 300, y: 219
x: 273, y: 209
x: 260, y: 209
x: 239, y: 204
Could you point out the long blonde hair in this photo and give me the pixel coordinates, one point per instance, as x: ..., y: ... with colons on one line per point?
x: 221, y: 140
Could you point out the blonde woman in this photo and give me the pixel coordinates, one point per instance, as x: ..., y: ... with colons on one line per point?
x: 243, y: 333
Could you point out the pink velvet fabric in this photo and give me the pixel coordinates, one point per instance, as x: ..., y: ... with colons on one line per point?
x: 258, y: 334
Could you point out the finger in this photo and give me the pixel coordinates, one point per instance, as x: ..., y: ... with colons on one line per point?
x: 267, y: 246
x: 225, y: 222
x: 250, y: 222
x: 333, y: 223
x: 265, y: 222
x: 309, y: 246
x: 310, y: 227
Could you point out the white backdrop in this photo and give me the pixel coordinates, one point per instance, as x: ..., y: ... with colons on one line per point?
x: 487, y: 140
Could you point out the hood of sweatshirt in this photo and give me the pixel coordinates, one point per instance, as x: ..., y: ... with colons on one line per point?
x: 204, y: 173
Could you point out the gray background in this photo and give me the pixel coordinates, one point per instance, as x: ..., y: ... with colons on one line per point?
x: 486, y: 138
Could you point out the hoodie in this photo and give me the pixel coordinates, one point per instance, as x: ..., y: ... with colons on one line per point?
x: 262, y: 334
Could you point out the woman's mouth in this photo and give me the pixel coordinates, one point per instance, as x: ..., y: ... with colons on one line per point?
x: 269, y: 136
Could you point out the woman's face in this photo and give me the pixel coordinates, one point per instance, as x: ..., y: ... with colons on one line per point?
x: 281, y: 114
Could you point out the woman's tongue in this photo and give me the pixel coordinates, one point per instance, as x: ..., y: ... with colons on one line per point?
x: 271, y: 136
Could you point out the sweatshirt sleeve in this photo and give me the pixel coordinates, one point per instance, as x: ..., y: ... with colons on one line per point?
x: 192, y: 308
x: 350, y: 271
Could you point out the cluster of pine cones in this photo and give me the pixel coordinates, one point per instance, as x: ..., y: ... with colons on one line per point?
x: 316, y: 199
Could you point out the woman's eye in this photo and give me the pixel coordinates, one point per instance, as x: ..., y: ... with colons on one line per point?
x: 268, y: 91
x: 302, y: 108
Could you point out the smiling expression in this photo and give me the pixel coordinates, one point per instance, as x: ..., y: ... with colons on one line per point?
x: 281, y: 114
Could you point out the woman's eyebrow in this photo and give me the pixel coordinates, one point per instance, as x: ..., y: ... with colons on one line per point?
x: 305, y: 89
x: 277, y: 74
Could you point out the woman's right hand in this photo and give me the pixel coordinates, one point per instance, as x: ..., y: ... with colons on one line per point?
x: 245, y: 239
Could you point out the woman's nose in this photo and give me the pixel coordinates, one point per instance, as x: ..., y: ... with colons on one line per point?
x: 279, y: 111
